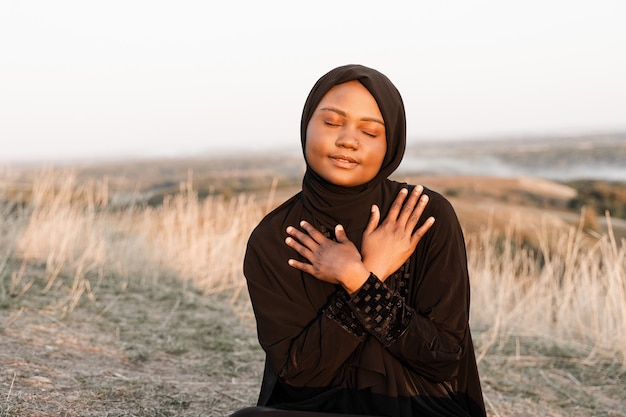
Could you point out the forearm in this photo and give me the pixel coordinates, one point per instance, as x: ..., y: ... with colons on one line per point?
x: 414, y: 339
x: 310, y: 347
x: 317, y: 354
x: 304, y: 326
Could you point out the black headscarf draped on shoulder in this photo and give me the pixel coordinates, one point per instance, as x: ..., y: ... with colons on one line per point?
x: 285, y: 299
x: 350, y: 206
x: 303, y: 342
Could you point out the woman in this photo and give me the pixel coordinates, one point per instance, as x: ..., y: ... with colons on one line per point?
x: 361, y: 297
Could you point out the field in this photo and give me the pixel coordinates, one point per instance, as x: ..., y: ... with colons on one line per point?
x: 121, y: 291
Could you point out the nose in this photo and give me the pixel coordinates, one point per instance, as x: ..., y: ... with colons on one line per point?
x: 347, y: 139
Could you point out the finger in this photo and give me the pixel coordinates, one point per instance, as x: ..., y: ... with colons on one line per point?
x: 417, y: 212
x: 397, y: 205
x: 340, y: 234
x: 410, y: 205
x: 302, y: 266
x: 302, y: 237
x: 421, y: 231
x: 300, y: 248
x: 313, y: 232
x: 372, y: 223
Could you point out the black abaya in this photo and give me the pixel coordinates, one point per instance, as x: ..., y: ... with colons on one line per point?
x: 396, y: 348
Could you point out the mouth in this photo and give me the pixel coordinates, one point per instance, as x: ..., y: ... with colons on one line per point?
x: 343, y: 161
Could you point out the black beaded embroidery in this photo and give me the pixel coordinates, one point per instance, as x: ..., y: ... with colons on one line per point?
x: 339, y: 310
x: 381, y: 310
x: 376, y: 308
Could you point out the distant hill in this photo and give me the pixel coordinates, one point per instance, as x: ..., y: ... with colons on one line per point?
x: 580, y: 157
x: 568, y: 173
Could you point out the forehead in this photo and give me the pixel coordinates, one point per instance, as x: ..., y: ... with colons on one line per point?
x: 351, y: 95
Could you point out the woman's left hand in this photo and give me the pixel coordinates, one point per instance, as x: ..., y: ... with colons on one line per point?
x: 334, y: 262
x: 388, y: 245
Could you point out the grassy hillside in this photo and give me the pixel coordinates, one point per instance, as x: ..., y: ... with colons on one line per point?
x: 121, y: 290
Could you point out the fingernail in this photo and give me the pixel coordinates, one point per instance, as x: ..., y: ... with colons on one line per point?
x: 339, y: 227
x: 302, y: 223
x: 404, y: 191
x: 288, y: 240
x: 419, y: 188
x: 289, y: 229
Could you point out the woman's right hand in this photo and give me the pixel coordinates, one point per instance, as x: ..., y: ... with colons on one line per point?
x: 387, y: 246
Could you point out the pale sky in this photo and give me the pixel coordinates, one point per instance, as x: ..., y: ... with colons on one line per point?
x: 120, y: 78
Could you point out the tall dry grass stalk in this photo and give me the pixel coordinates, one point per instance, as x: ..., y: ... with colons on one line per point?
x: 202, y: 241
x: 74, y: 241
x: 568, y: 288
x: 81, y: 242
x: 11, y: 222
x: 570, y: 291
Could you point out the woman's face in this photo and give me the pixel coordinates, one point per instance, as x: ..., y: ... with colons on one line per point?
x: 345, y: 138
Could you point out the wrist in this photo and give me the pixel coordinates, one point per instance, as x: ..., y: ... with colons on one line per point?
x: 379, y: 270
x: 356, y: 279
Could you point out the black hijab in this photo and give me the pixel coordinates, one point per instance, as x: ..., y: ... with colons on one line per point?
x: 331, y: 204
x: 279, y: 290
x: 291, y: 307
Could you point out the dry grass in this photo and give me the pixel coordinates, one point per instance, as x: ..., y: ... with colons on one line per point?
x: 202, y: 241
x: 570, y: 291
x: 148, y: 285
x: 81, y: 241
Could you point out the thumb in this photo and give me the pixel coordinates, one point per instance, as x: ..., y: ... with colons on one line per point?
x: 372, y: 223
x: 340, y: 234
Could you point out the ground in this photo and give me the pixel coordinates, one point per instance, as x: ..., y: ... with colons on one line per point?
x: 162, y: 349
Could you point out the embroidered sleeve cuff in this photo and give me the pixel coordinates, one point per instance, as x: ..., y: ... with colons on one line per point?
x: 339, y: 310
x: 381, y: 311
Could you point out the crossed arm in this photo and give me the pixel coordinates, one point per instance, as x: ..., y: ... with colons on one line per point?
x: 430, y: 344
x: 384, y: 249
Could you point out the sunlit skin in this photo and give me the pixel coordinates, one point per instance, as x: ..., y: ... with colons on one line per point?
x: 346, y: 145
x: 345, y: 138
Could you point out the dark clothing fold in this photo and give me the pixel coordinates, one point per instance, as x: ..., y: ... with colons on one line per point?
x: 401, y: 347
x: 328, y: 351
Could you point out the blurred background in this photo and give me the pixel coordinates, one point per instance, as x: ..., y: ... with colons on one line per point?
x: 142, y: 141
x: 139, y: 79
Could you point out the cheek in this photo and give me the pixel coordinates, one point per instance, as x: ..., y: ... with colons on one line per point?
x: 313, y: 131
x: 313, y: 140
x: 309, y: 146
x: 307, y: 151
x: 380, y: 151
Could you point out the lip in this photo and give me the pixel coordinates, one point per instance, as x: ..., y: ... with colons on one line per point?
x: 343, y: 161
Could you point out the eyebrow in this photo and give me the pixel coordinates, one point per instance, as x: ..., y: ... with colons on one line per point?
x: 344, y: 114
